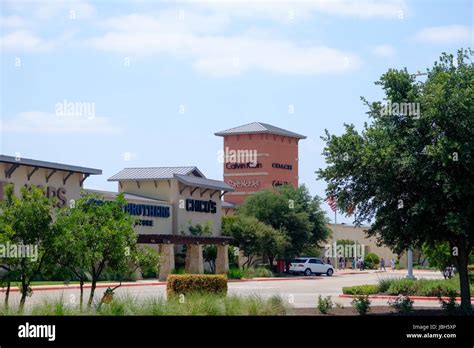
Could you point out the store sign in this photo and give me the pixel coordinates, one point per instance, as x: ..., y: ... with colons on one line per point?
x: 147, y: 210
x: 248, y: 165
x: 51, y: 191
x: 201, y: 206
x: 276, y: 183
x: 282, y: 166
x: 244, y: 183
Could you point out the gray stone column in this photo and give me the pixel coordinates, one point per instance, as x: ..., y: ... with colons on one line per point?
x: 194, y: 263
x: 166, y: 260
x: 222, y: 260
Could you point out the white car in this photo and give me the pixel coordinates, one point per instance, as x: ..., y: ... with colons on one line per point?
x: 309, y: 266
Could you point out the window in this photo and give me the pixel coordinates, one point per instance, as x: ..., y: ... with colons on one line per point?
x: 300, y: 260
x: 317, y: 261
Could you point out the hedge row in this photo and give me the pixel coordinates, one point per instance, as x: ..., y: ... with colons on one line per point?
x: 408, y: 287
x: 361, y: 290
x: 178, y: 284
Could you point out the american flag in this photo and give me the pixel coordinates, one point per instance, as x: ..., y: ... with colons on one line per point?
x: 332, y: 203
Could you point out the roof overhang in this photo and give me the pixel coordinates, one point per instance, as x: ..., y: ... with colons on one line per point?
x: 48, y: 165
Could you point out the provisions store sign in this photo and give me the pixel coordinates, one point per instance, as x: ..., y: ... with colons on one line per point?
x: 147, y: 210
x: 142, y: 210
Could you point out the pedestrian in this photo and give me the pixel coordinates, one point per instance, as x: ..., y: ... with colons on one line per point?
x: 329, y: 260
x: 392, y: 264
x: 382, y: 264
x: 361, y: 264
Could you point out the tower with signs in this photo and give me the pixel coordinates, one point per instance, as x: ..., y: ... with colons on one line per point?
x: 258, y: 156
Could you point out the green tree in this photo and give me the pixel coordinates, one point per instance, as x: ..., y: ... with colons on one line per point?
x: 412, y: 172
x: 97, y: 234
x: 254, y: 238
x: 438, y: 254
x: 292, y: 211
x: 26, y: 221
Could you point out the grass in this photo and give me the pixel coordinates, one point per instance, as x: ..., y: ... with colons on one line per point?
x: 192, y: 305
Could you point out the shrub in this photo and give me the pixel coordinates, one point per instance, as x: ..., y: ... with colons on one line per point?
x: 360, y: 290
x: 361, y: 304
x: 405, y: 287
x: 371, y: 260
x: 196, y: 283
x: 449, y: 306
x: 179, y: 270
x: 402, y: 304
x: 324, y: 304
x: 234, y: 273
x: 257, y: 272
x: 437, y: 288
x: 384, y: 283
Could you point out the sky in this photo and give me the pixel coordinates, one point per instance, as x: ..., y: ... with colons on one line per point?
x: 115, y: 84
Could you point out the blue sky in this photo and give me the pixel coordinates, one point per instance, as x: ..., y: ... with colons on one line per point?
x: 164, y: 76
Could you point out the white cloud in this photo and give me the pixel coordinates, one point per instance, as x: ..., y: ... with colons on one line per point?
x: 384, y: 51
x: 44, y: 122
x: 24, y: 40
x: 78, y: 9
x: 449, y: 34
x: 11, y: 21
x: 217, y: 54
x: 304, y: 9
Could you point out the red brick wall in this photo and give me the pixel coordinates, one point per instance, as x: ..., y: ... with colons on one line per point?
x: 270, y: 149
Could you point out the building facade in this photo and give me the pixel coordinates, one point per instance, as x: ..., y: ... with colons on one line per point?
x: 256, y: 157
x: 166, y: 202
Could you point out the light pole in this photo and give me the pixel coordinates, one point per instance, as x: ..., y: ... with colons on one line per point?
x: 410, y: 250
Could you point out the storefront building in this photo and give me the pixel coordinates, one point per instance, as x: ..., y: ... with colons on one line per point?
x: 59, y: 180
x: 258, y: 156
x: 166, y: 201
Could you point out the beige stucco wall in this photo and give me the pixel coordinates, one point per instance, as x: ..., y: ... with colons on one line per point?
x: 169, y: 190
x: 20, y: 178
x: 358, y: 234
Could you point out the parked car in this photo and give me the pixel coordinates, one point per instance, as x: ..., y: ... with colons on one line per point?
x: 309, y: 266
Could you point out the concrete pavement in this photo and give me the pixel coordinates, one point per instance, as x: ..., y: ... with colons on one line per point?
x: 299, y: 292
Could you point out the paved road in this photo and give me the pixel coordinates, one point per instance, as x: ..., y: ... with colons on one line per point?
x: 301, y: 293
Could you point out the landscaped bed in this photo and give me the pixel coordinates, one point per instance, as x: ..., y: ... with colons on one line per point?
x: 374, y: 311
x: 409, y: 287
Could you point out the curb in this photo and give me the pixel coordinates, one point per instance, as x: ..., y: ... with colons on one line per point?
x: 392, y: 297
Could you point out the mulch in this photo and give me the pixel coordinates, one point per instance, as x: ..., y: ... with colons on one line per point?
x: 374, y: 311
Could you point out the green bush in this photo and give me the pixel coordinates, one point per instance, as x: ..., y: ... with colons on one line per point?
x: 178, y: 284
x: 361, y: 290
x: 257, y: 272
x: 234, y: 273
x: 324, y: 304
x: 371, y: 260
x: 384, y: 283
x: 179, y: 270
x: 407, y: 287
x: 450, y: 306
x: 361, y: 304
